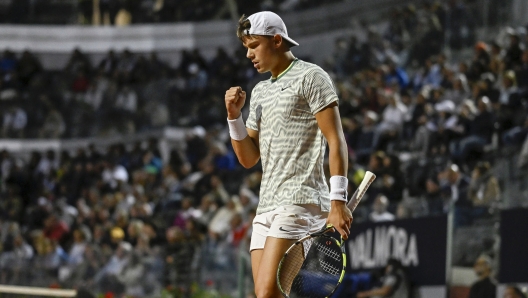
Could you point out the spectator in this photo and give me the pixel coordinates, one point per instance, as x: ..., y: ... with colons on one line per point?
x: 220, y: 223
x: 80, y: 83
x: 223, y: 158
x: 456, y: 185
x: 460, y: 90
x: 420, y: 144
x: 114, y: 173
x: 86, y: 11
x: 511, y: 107
x: 366, y: 138
x: 238, y: 230
x: 459, y: 24
x: 126, y: 104
x: 110, y: 7
x: 392, y: 178
x: 47, y: 261
x: 48, y: 164
x: 375, y: 165
x: 513, y: 54
x: 521, y: 71
x: 186, y: 212
x: 481, y: 60
x: 14, y: 124
x: 109, y: 63
x: 379, y: 210
x: 485, y: 286
x: 54, y: 125
x: 107, y: 277
x: 480, y: 133
x: 76, y: 253
x: 132, y: 277
x: 516, y: 135
x: 179, y: 255
x: 512, y: 291
x: 125, y: 67
x: 78, y: 63
x: 484, y: 189
x: 8, y: 62
x: 395, y: 75
x: 54, y: 228
x: 28, y: 67
x: 433, y: 196
x: 394, y: 282
x: 14, y: 263
x: 496, y: 59
x: 391, y: 124
x: 248, y: 201
x: 443, y: 126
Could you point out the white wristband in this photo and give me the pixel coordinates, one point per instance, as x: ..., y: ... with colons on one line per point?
x: 237, y: 128
x: 338, y: 188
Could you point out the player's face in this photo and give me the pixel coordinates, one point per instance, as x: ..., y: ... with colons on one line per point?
x: 260, y: 50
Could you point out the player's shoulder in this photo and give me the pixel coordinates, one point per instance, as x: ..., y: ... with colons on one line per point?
x: 308, y: 66
x: 310, y: 69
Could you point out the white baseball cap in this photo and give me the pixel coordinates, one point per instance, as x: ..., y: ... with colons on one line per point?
x: 268, y: 23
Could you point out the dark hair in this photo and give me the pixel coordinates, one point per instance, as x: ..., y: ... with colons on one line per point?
x: 243, y: 27
x: 395, y: 263
x: 483, y: 167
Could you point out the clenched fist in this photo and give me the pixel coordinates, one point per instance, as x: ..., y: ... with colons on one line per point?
x: 235, y: 98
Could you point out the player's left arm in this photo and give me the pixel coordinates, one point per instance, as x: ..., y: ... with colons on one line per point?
x: 329, y: 122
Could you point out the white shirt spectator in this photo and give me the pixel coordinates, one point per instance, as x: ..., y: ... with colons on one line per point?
x: 393, y: 116
x: 380, y: 212
x: 93, y: 98
x: 16, y: 119
x: 5, y: 168
x: 221, y: 221
x: 45, y: 166
x: 113, y: 175
x: 381, y: 217
x: 127, y: 100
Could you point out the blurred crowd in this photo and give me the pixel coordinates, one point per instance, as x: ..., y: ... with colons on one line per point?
x: 430, y: 125
x: 139, y: 11
x: 121, y: 219
x: 125, y: 92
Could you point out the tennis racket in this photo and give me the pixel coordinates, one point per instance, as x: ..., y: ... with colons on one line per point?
x: 314, y: 266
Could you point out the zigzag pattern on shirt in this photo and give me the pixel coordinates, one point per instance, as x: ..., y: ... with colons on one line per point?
x: 292, y: 146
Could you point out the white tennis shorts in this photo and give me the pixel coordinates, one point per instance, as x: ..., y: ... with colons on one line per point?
x: 287, y: 222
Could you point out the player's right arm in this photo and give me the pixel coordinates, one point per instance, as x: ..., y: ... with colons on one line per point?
x: 246, y: 149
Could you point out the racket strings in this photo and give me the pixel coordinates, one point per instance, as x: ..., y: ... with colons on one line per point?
x: 328, y: 251
x: 330, y: 268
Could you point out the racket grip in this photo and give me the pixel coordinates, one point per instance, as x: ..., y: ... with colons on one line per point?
x: 353, y: 200
x: 360, y: 191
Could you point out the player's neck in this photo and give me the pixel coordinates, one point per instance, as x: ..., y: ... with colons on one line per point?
x: 284, y: 62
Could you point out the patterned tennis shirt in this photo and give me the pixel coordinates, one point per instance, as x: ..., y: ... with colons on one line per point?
x: 292, y: 147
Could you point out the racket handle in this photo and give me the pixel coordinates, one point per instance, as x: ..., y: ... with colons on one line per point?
x: 360, y: 191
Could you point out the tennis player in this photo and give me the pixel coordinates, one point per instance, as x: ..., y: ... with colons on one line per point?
x: 291, y: 118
